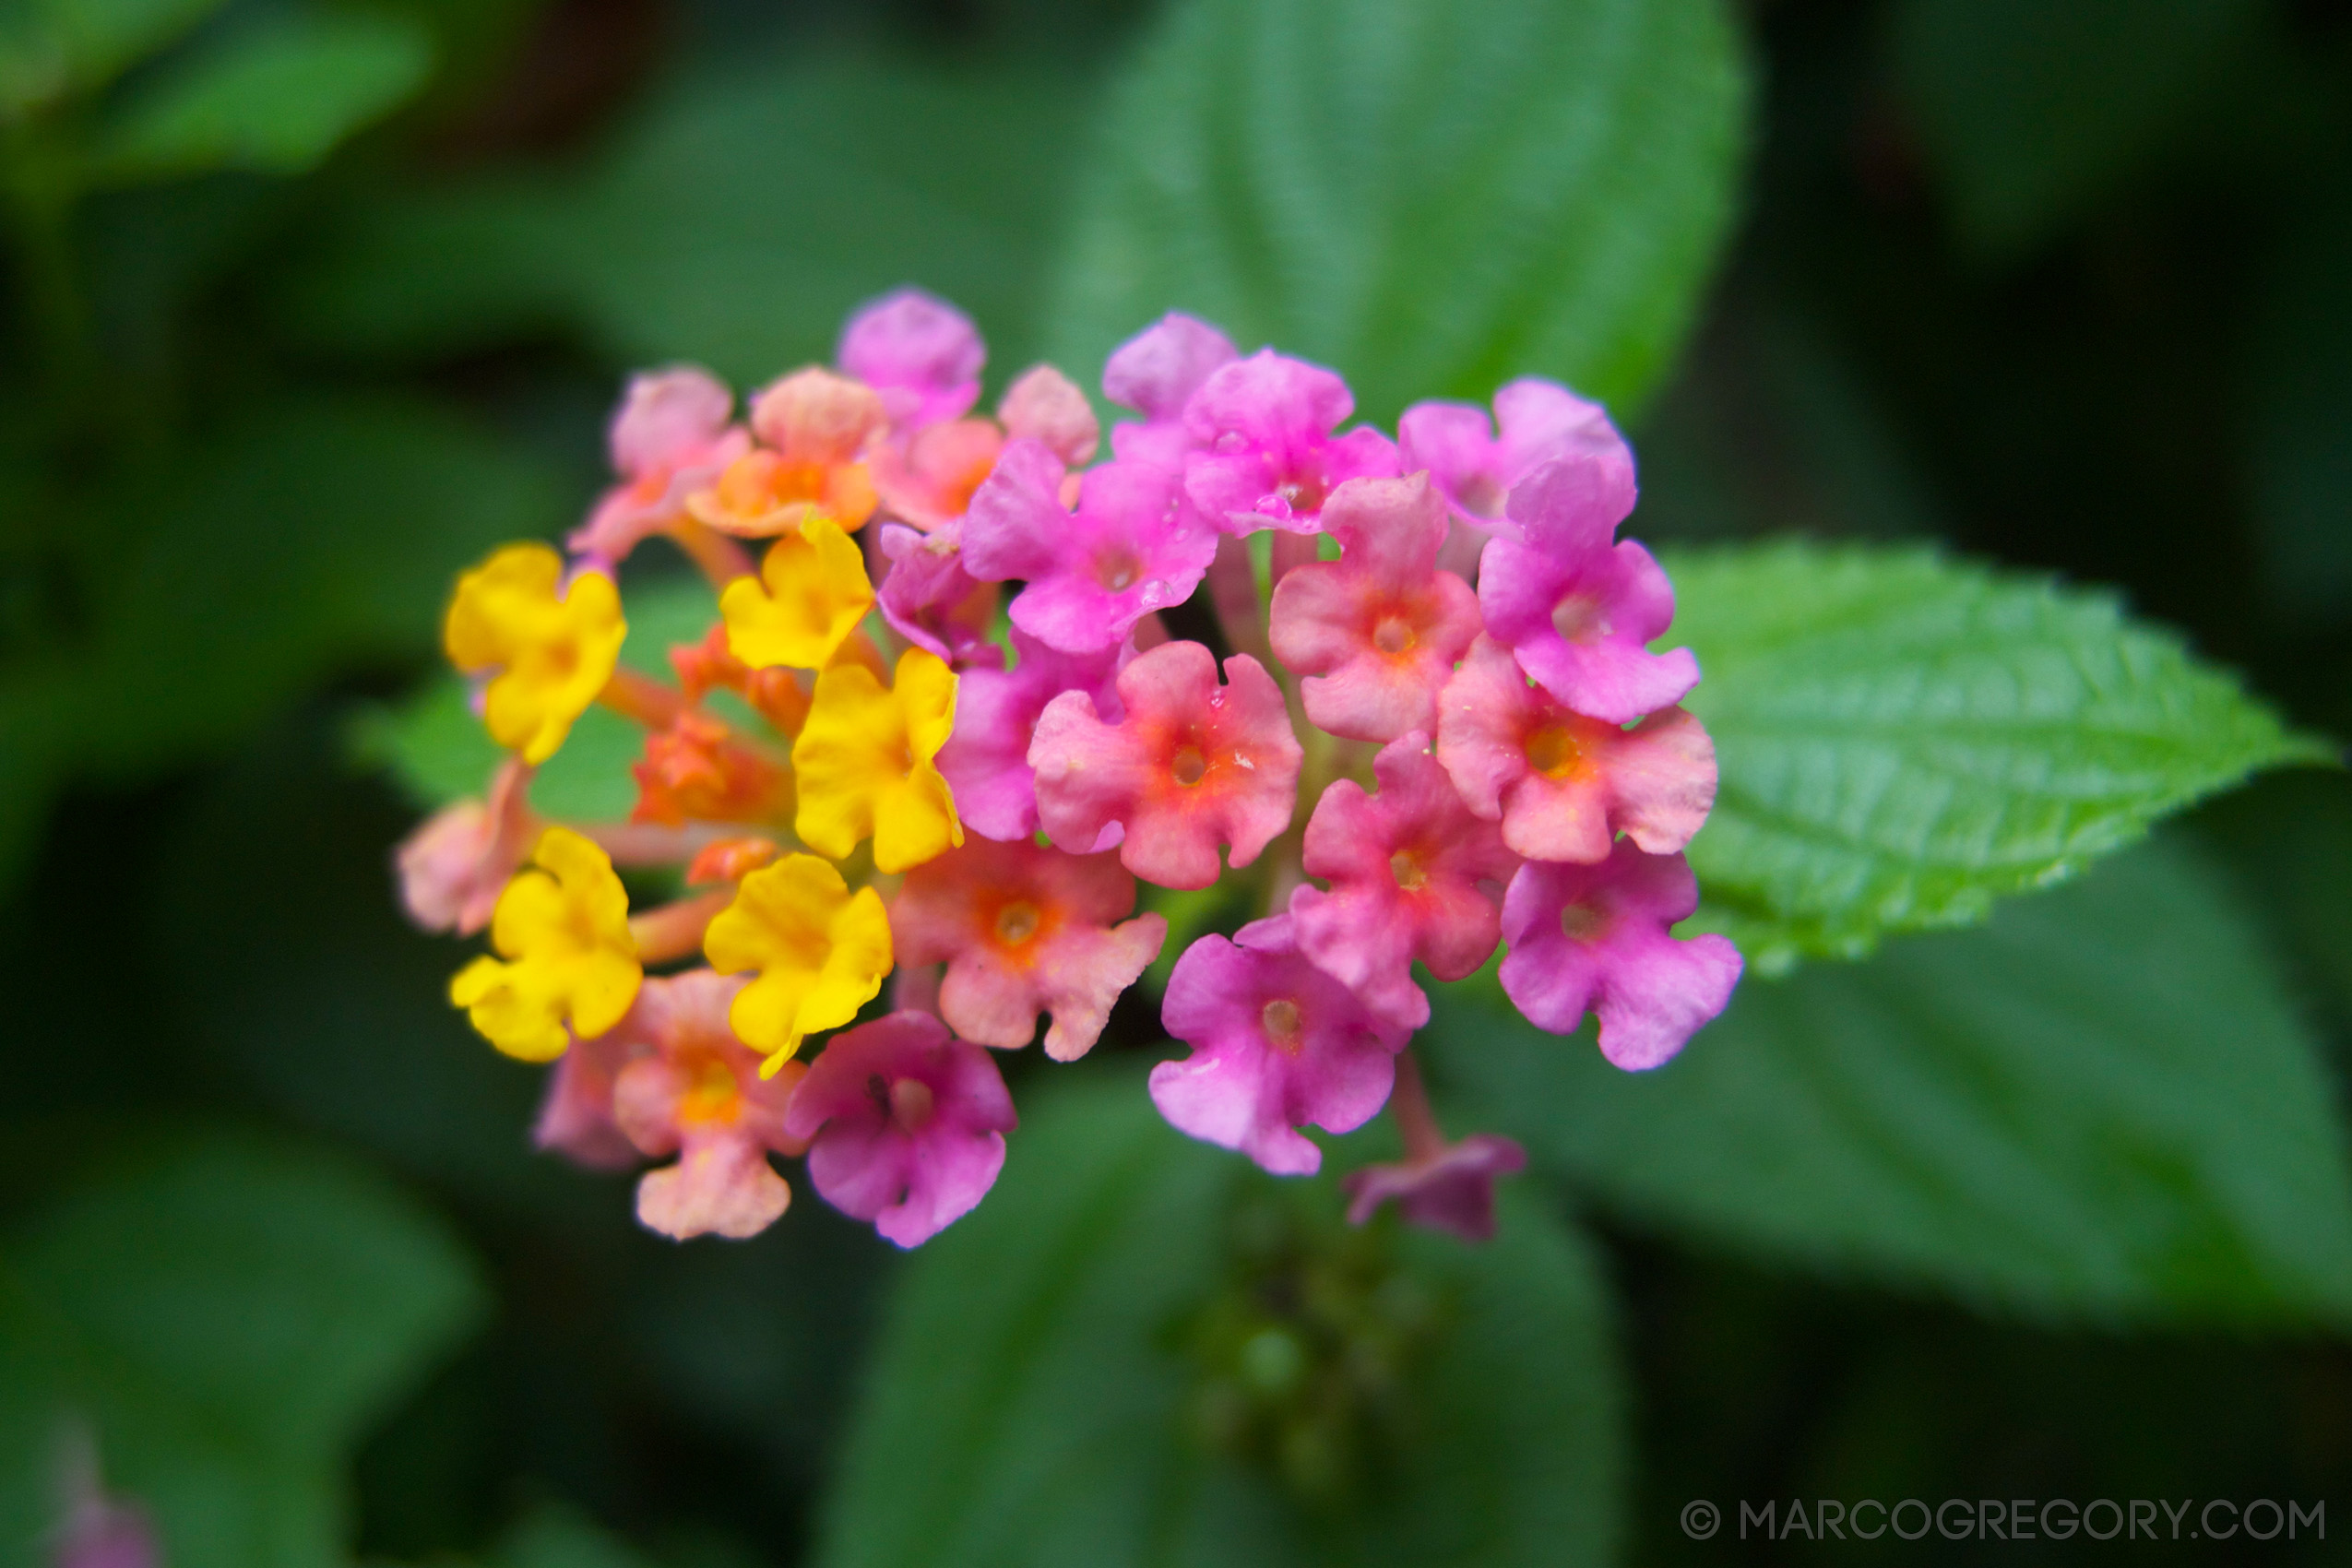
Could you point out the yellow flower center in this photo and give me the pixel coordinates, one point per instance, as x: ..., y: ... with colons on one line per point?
x: 1407, y: 868
x: 1279, y: 1018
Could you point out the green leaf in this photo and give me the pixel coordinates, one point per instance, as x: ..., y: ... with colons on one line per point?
x: 49, y: 48
x: 2100, y: 1108
x: 434, y: 747
x: 1903, y: 738
x: 1431, y: 196
x: 735, y: 223
x: 276, y: 98
x: 1027, y: 1402
x: 2034, y: 109
x: 306, y: 539
x: 224, y: 1316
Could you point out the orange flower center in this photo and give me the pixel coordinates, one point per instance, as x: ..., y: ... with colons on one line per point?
x: 1016, y: 922
x: 711, y: 1093
x: 1394, y: 635
x: 1407, y: 868
x: 1188, y: 766
x: 1552, y: 750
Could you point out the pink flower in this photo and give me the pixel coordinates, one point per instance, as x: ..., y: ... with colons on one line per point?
x: 1192, y: 765
x: 928, y: 599
x: 986, y: 760
x: 1276, y: 1044
x: 1264, y: 453
x: 1451, y: 1188
x: 927, y: 476
x: 1476, y: 469
x: 460, y: 860
x: 669, y: 438
x: 1562, y: 785
x: 575, y: 1118
x: 1405, y: 868
x: 1130, y: 548
x: 922, y: 353
x: 1576, y: 609
x: 1024, y: 931
x: 1155, y: 374
x: 1594, y: 937
x: 1045, y: 404
x: 695, y: 1091
x: 907, y: 1126
x: 1377, y: 632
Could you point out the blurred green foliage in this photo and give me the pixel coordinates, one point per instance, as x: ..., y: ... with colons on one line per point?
x: 313, y: 301
x: 1049, y: 1383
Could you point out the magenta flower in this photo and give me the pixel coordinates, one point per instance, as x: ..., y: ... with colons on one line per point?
x: 907, y: 1125
x: 1265, y: 452
x: 1594, y: 937
x: 1130, y: 548
x: 928, y: 599
x: 1024, y: 931
x: 1155, y: 374
x: 1451, y: 1188
x: 1276, y: 1044
x: 1564, y: 786
x: 695, y: 1091
x: 1193, y: 764
x: 922, y: 353
x: 669, y: 438
x: 1476, y: 468
x: 1576, y: 609
x: 1404, y: 867
x: 1377, y: 632
x: 986, y: 760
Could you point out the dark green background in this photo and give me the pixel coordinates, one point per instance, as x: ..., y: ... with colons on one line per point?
x: 2066, y: 283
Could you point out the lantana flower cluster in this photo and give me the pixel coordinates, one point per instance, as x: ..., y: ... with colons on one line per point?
x: 940, y: 728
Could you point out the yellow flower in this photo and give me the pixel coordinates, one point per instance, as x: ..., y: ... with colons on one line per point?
x: 554, y: 655
x: 810, y: 594
x: 821, y: 952
x: 565, y: 928
x: 863, y: 759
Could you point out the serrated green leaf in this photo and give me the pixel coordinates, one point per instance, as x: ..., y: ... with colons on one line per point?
x: 2101, y: 1108
x: 1026, y: 1403
x: 224, y: 1316
x: 275, y: 98
x: 1903, y: 738
x: 735, y: 223
x: 1431, y: 196
x: 2033, y: 109
x: 434, y: 747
